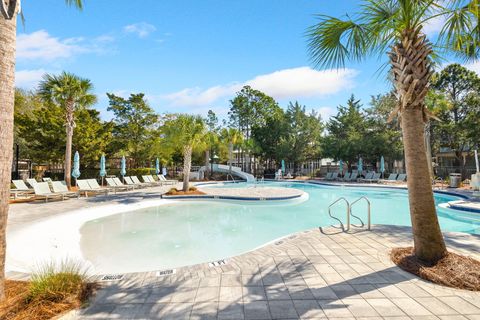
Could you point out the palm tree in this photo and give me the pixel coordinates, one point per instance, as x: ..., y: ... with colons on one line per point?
x: 9, y: 10
x: 70, y: 92
x: 398, y: 26
x: 232, y: 137
x: 186, y: 131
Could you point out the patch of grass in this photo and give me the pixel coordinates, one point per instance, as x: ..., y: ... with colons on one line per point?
x: 452, y: 270
x: 52, y: 291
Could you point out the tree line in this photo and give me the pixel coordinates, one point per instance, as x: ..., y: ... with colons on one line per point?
x: 257, y: 127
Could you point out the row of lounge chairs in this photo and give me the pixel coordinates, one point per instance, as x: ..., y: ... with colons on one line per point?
x: 369, y: 177
x: 49, y: 189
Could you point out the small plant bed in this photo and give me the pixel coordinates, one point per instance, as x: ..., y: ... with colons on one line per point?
x: 453, y: 270
x: 191, y: 191
x: 46, y: 296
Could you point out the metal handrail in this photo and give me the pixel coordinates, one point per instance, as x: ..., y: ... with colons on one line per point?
x: 229, y: 175
x: 348, y: 213
x: 368, y: 217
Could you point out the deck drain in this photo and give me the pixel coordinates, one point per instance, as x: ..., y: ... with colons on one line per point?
x: 112, y: 277
x: 278, y: 243
x: 217, y: 263
x: 168, y: 272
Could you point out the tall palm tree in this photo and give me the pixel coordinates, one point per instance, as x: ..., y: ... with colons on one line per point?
x: 232, y: 137
x: 69, y: 92
x: 9, y: 10
x: 397, y: 26
x: 186, y: 131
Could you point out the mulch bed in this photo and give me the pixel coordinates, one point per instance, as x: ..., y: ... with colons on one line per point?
x: 183, y: 193
x: 17, y: 307
x: 452, y: 270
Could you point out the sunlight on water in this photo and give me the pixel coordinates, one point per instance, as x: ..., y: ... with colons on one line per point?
x: 201, y: 231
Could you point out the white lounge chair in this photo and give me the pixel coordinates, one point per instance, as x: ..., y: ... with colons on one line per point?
x: 375, y: 178
x: 149, y: 179
x: 121, y: 184
x: 61, y: 187
x: 346, y: 176
x: 162, y: 178
x: 368, y: 176
x: 42, y: 191
x: 20, y: 189
x: 329, y: 176
x: 130, y: 182
x: 352, y: 178
x: 391, y: 178
x: 31, y: 181
x: 47, y: 179
x: 85, y: 186
x: 147, y: 184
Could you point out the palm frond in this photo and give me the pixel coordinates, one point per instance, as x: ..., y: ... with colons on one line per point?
x: 76, y: 3
x: 333, y: 41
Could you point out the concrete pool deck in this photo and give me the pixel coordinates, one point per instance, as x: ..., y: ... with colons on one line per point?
x: 316, y: 274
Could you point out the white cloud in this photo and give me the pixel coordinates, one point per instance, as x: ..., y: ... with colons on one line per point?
x: 41, y: 45
x: 141, y: 29
x: 296, y: 83
x: 474, y: 66
x: 28, y: 79
x: 326, y: 112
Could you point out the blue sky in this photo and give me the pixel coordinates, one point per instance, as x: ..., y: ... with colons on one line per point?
x: 191, y: 56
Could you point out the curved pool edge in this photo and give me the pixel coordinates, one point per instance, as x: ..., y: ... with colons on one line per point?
x: 87, y: 214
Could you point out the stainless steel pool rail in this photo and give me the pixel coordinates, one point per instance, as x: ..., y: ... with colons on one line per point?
x: 349, y: 213
x: 335, y: 218
x: 368, y: 212
x: 229, y: 175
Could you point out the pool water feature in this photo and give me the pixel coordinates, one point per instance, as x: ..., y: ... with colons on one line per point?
x: 190, y: 232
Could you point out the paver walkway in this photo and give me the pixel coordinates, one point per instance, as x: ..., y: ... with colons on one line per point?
x: 317, y: 274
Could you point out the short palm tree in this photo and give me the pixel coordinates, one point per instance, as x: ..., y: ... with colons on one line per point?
x: 186, y: 131
x: 69, y: 92
x: 9, y: 10
x: 397, y: 26
x: 232, y: 137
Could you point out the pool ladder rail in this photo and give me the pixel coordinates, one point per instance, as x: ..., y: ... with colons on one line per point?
x: 229, y: 175
x: 350, y: 214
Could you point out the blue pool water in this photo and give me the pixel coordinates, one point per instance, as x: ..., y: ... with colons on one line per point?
x: 192, y: 232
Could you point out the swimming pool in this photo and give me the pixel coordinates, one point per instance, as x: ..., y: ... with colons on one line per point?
x: 190, y: 232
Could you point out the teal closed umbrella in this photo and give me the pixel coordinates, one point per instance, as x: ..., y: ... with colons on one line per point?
x: 157, y: 166
x: 360, y: 166
x: 123, y: 167
x: 283, y: 166
x: 382, y: 165
x: 103, y: 170
x: 340, y: 167
x: 76, y: 166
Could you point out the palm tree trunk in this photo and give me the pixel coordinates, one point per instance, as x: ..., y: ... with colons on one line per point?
x: 230, y: 154
x: 207, y: 163
x: 68, y: 156
x: 8, y: 28
x: 187, y: 163
x: 411, y: 74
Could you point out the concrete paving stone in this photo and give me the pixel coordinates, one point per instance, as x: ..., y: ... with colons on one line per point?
x: 231, y: 294
x: 210, y: 282
x: 184, y: 295
x: 412, y: 290
x: 277, y: 293
x: 309, y: 309
x: 450, y: 317
x: 149, y: 311
x: 230, y: 311
x: 282, y: 309
x: 435, y: 306
x: 257, y: 310
x: 231, y: 280
x: 252, y: 280
x: 206, y: 294
x: 254, y: 294
x: 385, y: 307
x: 343, y: 291
x: 391, y: 291
x: 460, y: 305
x: 359, y: 307
x: 334, y: 308
x: 411, y: 307
x: 300, y: 293
x: 204, y: 311
x: 176, y: 311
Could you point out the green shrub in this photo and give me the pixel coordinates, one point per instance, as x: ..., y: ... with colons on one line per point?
x: 56, y: 283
